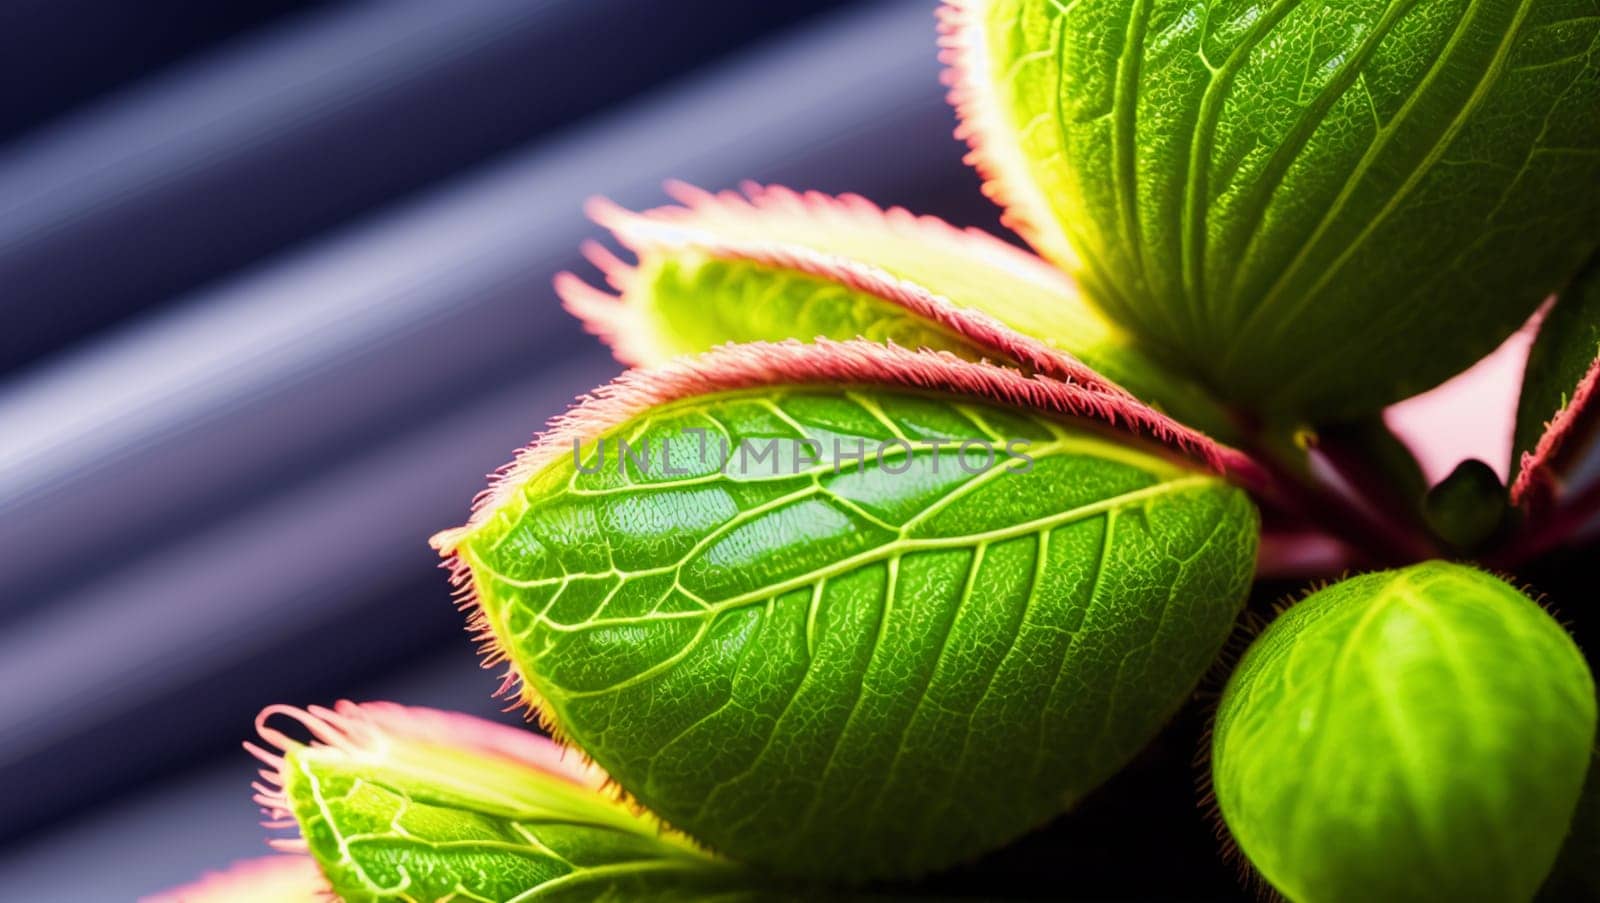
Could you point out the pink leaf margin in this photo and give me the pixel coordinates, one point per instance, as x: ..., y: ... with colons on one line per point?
x: 710, y: 223
x: 855, y: 362
x: 990, y: 138
x: 367, y: 728
x: 1538, y: 480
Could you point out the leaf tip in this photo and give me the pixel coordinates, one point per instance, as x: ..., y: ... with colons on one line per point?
x: 612, y: 318
x: 445, y: 541
x: 370, y: 729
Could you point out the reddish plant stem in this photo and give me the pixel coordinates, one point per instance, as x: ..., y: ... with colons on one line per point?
x: 1379, y: 542
x: 1380, y: 469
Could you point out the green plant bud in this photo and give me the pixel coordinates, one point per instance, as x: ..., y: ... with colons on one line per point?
x: 1419, y: 734
x: 1467, y: 507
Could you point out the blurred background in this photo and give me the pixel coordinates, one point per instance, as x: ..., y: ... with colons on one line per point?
x: 276, y: 292
x: 275, y: 279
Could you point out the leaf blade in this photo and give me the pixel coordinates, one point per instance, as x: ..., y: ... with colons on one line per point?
x: 1277, y: 194
x: 397, y: 803
x: 773, y: 661
x: 772, y: 264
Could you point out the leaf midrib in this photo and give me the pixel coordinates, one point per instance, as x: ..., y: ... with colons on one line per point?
x: 872, y: 556
x: 895, y: 548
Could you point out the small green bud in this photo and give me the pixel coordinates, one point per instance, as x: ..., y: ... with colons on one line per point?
x: 1419, y: 734
x: 1467, y: 508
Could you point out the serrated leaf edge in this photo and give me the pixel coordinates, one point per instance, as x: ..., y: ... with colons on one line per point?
x: 367, y: 729
x: 622, y: 320
x: 992, y: 148
x: 1536, y: 483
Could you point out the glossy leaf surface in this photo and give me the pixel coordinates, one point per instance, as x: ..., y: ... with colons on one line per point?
x: 400, y: 804
x: 773, y: 265
x: 1411, y: 734
x: 1324, y: 207
x: 1555, y: 413
x: 858, y: 669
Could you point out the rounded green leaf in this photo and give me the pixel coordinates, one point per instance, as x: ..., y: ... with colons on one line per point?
x: 1406, y: 735
x: 1323, y: 207
x: 858, y: 665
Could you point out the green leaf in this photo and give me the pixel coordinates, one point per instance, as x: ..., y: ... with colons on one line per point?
x: 1555, y: 411
x: 847, y: 668
x: 1406, y: 735
x: 772, y: 265
x: 398, y: 804
x: 1322, y: 207
x: 704, y: 301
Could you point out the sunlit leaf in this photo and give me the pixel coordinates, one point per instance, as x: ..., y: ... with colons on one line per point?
x: 405, y: 804
x: 1322, y: 207
x: 942, y: 628
x: 772, y: 264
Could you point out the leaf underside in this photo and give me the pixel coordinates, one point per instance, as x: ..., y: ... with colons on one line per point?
x: 871, y: 672
x: 1323, y: 207
x: 1413, y: 734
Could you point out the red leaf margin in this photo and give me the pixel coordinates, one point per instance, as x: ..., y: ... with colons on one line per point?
x: 619, y: 323
x: 1538, y: 474
x: 368, y: 727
